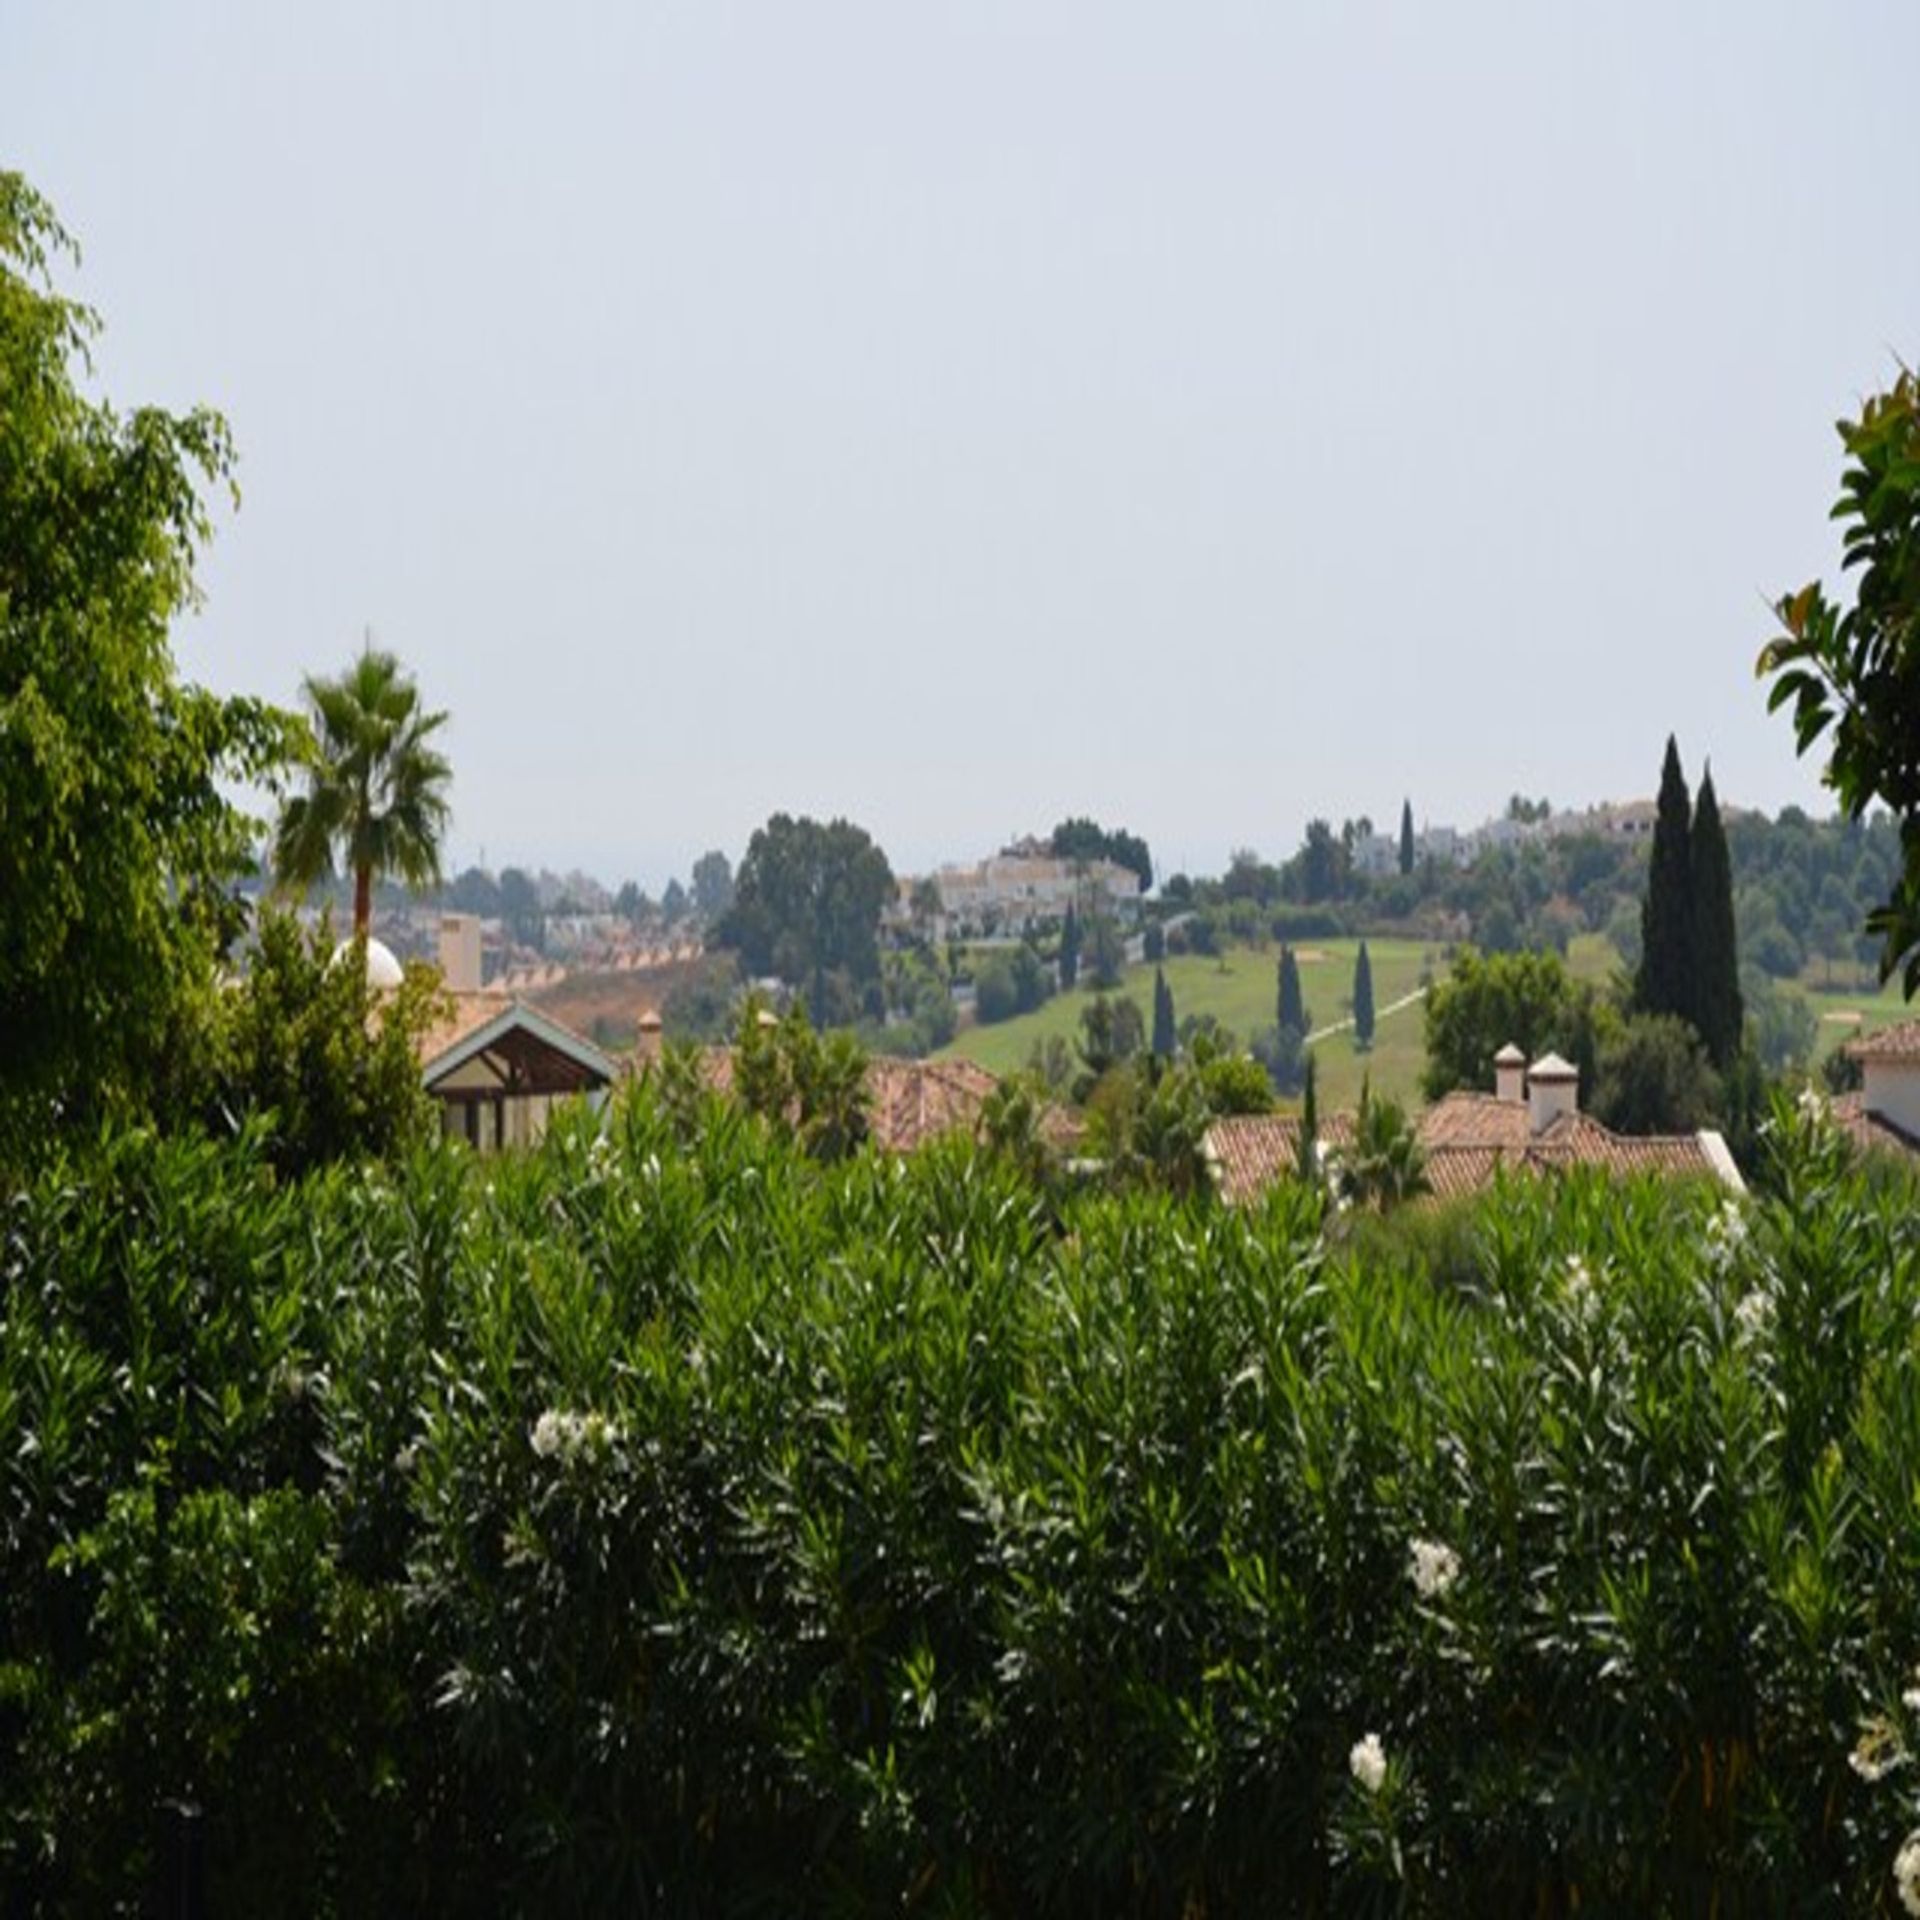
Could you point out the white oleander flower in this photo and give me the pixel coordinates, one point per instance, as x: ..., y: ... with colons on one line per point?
x: 1579, y: 1282
x: 549, y: 1434
x: 1877, y: 1752
x: 1433, y: 1567
x: 1726, y: 1231
x: 1753, y: 1313
x: 1911, y: 1699
x: 568, y: 1436
x: 1906, y: 1873
x: 1368, y: 1760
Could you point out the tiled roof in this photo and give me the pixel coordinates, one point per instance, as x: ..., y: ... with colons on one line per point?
x: 911, y: 1101
x: 1466, y: 1138
x: 1251, y: 1151
x: 465, y: 1013
x: 469, y: 1014
x: 1901, y: 1042
x: 1475, y: 1120
x: 915, y: 1101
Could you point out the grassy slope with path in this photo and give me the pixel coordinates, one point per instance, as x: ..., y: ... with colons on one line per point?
x: 1240, y: 989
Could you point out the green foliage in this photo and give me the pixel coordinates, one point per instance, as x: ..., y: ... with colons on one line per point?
x: 1165, y: 1025
x: 664, y: 1521
x: 1111, y: 1033
x: 1307, y: 1141
x: 1362, y: 999
x: 1082, y: 839
x: 1070, y: 949
x: 1235, y: 1083
x: 119, y: 849
x: 806, y: 908
x: 1382, y: 1167
x: 376, y: 788
x: 813, y: 1084
x: 1489, y: 1000
x: 1292, y: 1009
x: 712, y: 885
x: 1655, y: 1077
x: 1406, y: 837
x: 1665, y: 983
x: 1283, y: 1054
x: 1853, y: 671
x: 1717, y: 1010
x: 1104, y: 952
x: 303, y: 1045
x: 1009, y: 982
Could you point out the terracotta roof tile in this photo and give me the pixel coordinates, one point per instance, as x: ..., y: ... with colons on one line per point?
x: 1475, y: 1120
x: 465, y: 1013
x: 1466, y: 1138
x: 1901, y: 1042
x: 912, y: 1101
x: 1253, y: 1150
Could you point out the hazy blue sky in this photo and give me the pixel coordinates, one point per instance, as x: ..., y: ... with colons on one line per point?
x: 954, y: 416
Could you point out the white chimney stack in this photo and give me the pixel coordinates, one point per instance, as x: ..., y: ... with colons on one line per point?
x: 1553, y: 1089
x: 647, y: 1045
x: 1510, y: 1074
x: 460, y: 952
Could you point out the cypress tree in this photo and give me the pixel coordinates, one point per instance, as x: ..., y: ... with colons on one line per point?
x: 1406, y: 836
x: 1306, y: 1154
x: 1164, y: 1040
x: 1363, y: 999
x: 1665, y: 980
x: 1293, y: 1009
x: 1717, y: 1012
x: 1069, y: 948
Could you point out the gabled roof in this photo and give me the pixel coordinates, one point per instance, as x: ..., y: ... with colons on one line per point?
x: 1900, y: 1042
x: 482, y: 1023
x: 1466, y: 1138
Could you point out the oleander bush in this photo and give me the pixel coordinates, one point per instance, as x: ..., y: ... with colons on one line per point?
x: 668, y: 1522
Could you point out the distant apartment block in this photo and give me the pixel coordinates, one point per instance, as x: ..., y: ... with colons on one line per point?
x: 1021, y: 888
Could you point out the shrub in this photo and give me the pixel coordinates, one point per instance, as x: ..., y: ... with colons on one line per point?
x: 668, y: 1520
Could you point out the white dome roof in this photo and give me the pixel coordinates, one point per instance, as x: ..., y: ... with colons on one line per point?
x: 383, y: 970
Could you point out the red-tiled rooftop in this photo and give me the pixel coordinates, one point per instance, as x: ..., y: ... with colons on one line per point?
x: 1251, y: 1151
x: 1900, y: 1042
x: 1466, y: 1138
x: 911, y: 1102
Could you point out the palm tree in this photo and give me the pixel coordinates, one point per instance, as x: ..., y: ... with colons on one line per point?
x: 376, y: 788
x: 1385, y: 1164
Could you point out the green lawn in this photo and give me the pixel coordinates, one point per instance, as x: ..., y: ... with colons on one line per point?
x: 1240, y: 989
x: 1847, y: 1003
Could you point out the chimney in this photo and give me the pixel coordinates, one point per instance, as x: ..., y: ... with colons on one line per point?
x: 1553, y: 1089
x: 647, y: 1043
x: 460, y: 952
x: 1510, y: 1074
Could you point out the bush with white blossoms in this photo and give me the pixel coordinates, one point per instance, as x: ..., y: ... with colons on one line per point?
x: 568, y: 1437
x: 1906, y: 1873
x: 769, y: 1536
x: 1433, y: 1567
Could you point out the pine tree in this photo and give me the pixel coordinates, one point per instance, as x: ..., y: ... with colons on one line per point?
x: 1293, y: 1009
x: 1665, y: 983
x: 1069, y: 949
x: 1363, y: 999
x: 1406, y: 836
x: 1306, y: 1149
x: 1716, y: 1011
x: 1164, y: 1038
